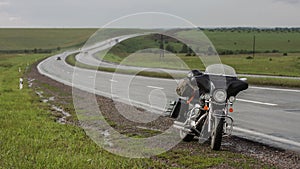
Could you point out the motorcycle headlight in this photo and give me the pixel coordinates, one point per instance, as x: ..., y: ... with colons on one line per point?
x: 220, y: 95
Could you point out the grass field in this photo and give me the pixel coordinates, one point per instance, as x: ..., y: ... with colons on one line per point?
x: 29, y: 39
x: 30, y: 137
x: 278, y: 51
x: 225, y: 42
x: 141, y: 62
x: 15, y: 39
x: 263, y: 64
x: 243, y: 40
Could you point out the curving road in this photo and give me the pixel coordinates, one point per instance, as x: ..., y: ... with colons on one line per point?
x: 267, y: 115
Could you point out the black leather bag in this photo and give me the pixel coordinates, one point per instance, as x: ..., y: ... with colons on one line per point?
x: 179, y: 106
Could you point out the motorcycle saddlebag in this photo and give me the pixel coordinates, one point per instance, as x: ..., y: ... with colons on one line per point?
x: 179, y: 106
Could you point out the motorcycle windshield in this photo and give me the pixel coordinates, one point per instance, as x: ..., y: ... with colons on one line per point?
x: 221, y: 70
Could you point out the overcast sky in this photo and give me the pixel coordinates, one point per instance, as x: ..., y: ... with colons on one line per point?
x: 96, y: 13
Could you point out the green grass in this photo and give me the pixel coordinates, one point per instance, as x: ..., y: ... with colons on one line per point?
x: 144, y: 42
x: 262, y: 64
x: 150, y: 60
x: 30, y: 138
x: 243, y: 40
x: 29, y: 39
x: 225, y: 42
x: 274, y: 82
x: 21, y: 39
x: 265, y: 64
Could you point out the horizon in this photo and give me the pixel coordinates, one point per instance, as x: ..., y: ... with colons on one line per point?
x: 216, y: 27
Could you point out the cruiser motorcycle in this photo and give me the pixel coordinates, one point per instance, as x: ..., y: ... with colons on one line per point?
x: 205, y: 103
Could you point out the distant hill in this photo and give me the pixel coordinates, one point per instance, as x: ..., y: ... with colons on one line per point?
x: 18, y: 40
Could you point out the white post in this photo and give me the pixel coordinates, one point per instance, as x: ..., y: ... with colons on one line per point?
x: 21, y: 83
x: 19, y: 69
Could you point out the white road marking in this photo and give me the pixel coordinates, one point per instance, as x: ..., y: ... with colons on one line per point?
x: 113, y: 81
x: 154, y: 87
x: 270, y: 137
x: 275, y: 89
x: 257, y: 102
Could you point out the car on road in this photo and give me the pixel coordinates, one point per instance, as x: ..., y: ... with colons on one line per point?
x: 58, y: 58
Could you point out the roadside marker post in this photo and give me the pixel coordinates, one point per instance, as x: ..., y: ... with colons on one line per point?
x: 21, y: 83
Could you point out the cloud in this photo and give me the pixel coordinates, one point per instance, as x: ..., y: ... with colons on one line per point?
x: 8, y: 20
x: 78, y: 13
x: 14, y: 19
x: 288, y: 1
x: 4, y: 3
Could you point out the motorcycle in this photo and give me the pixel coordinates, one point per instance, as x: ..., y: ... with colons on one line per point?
x: 205, y: 103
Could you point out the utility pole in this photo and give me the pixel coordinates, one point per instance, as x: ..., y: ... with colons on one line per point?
x: 162, y: 52
x: 254, y: 43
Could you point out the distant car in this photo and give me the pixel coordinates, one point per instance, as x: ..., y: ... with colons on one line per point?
x: 58, y: 58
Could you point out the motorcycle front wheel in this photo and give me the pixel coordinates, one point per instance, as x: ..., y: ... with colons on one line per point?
x: 217, y: 134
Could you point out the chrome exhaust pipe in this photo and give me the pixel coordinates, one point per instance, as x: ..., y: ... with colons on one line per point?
x: 178, y: 123
x: 180, y: 126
